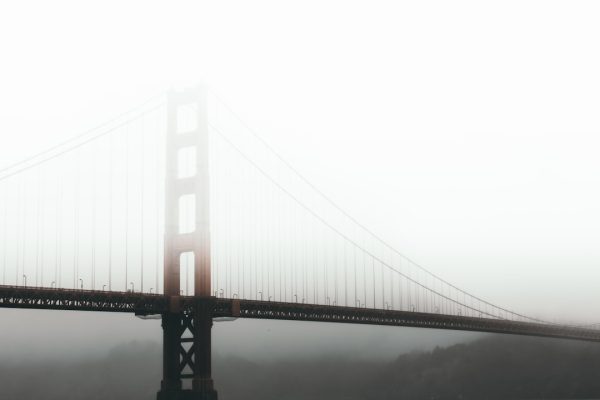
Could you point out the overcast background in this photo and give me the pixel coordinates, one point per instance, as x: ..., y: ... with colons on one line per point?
x: 464, y: 133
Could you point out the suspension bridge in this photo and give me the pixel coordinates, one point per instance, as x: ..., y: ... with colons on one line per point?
x: 177, y: 210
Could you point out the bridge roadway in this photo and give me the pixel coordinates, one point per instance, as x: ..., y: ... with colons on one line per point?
x: 144, y: 304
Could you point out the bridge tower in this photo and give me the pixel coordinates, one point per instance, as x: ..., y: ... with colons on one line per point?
x: 187, y: 335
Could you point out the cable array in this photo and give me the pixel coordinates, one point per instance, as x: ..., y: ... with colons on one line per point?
x: 88, y: 214
x: 323, y: 255
x: 73, y: 215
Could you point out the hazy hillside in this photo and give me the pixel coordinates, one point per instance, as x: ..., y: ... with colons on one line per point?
x: 497, y: 367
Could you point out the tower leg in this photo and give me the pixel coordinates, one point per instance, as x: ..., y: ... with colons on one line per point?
x: 202, y: 381
x: 187, y: 354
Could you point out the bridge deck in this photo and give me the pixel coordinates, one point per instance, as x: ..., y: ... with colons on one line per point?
x: 145, y: 304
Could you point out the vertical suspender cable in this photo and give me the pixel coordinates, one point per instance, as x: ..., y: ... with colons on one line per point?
x: 392, y: 280
x: 24, y: 232
x: 373, y: 265
x: 364, y: 271
x: 75, y: 222
x: 315, y: 264
x: 279, y: 242
x: 237, y: 251
x: 58, y: 232
x: 19, y: 227
x: 5, y: 201
x: 110, y: 207
x: 37, y: 227
x: 345, y: 275
x: 335, y: 270
x: 126, y: 202
x: 227, y: 237
x: 93, y: 231
x: 142, y: 205
x: 356, y: 300
x: 256, y: 244
x: 302, y: 245
x: 215, y: 208
x: 325, y: 272
x: 382, y: 281
x: 266, y: 257
x: 243, y: 242
x: 157, y: 211
x: 42, y: 246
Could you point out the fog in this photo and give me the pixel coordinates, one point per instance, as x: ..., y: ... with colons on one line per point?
x: 55, y: 335
x: 521, y: 368
x: 463, y: 133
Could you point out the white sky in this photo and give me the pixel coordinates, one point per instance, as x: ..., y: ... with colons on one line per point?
x: 466, y: 133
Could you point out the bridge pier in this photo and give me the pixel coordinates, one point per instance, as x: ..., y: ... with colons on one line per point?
x: 187, y: 354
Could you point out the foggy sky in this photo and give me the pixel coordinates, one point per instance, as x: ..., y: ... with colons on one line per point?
x: 465, y: 134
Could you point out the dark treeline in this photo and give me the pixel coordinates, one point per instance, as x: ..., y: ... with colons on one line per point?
x: 492, y: 368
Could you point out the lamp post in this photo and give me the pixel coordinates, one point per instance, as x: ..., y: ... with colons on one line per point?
x: 81, y: 283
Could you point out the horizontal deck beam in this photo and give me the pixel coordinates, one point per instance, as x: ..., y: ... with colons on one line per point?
x: 146, y: 304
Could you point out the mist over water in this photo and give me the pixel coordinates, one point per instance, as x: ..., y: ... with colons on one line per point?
x: 93, y: 334
x: 496, y: 367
